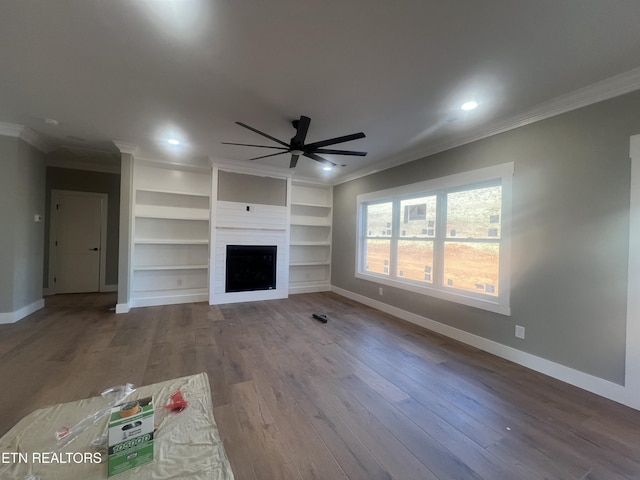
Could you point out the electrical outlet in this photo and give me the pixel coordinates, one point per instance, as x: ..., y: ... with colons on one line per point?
x: 519, y: 332
x: 380, y: 291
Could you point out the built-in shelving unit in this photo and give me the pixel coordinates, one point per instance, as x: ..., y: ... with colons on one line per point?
x: 310, y: 240
x: 170, y: 251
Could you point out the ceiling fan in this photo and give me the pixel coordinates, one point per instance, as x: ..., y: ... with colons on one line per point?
x: 297, y: 146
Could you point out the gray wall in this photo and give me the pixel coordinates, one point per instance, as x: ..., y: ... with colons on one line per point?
x: 569, y: 236
x: 238, y: 187
x: 8, y: 187
x: 87, y: 181
x: 124, y: 248
x: 21, y: 239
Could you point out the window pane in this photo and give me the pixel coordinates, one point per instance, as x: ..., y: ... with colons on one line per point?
x: 377, y: 256
x: 474, y: 213
x: 415, y: 260
x: 418, y: 217
x: 472, y: 266
x: 379, y: 220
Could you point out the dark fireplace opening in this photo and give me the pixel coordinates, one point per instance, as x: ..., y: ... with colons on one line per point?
x: 250, y: 267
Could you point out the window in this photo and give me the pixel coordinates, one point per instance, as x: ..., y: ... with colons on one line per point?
x: 447, y: 237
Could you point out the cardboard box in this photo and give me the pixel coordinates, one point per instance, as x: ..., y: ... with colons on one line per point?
x: 130, y: 435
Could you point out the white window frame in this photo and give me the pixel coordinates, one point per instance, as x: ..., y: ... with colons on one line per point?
x: 504, y: 175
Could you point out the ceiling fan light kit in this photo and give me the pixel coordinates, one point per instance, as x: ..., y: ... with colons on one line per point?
x: 296, y: 146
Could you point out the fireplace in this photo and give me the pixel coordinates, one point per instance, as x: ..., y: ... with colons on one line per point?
x: 250, y: 268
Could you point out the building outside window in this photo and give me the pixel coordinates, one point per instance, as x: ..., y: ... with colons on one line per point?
x: 447, y: 237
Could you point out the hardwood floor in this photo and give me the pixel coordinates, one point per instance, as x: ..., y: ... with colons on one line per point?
x: 365, y: 396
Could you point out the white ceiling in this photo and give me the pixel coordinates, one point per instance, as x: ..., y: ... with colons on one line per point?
x: 141, y: 71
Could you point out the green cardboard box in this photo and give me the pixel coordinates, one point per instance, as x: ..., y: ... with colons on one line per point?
x: 130, y: 435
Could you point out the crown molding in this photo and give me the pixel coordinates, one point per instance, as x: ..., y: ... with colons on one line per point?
x: 36, y: 140
x: 82, y: 165
x: 125, y: 147
x: 26, y: 134
x: 241, y: 167
x: 172, y: 165
x: 325, y: 182
x: 10, y: 129
x: 609, y: 88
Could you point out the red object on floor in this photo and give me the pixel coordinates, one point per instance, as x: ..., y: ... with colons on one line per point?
x: 178, y: 403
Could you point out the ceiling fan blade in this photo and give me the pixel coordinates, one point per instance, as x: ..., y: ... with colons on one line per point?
x: 318, y: 158
x: 294, y: 160
x: 271, y: 155
x: 339, y: 152
x: 302, y: 128
x: 251, y: 145
x: 263, y: 134
x: 333, y: 141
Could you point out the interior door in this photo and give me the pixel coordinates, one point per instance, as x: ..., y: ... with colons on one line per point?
x: 78, y: 218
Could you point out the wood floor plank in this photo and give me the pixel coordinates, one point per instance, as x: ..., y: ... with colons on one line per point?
x: 388, y: 450
x: 271, y: 458
x: 364, y: 396
x: 424, y: 447
x: 309, y: 452
x: 353, y: 457
x: 477, y: 458
x: 483, y: 431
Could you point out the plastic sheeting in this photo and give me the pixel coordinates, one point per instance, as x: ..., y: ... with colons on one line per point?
x: 187, y: 444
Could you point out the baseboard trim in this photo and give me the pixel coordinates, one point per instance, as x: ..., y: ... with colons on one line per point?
x: 590, y: 383
x: 13, y: 317
x: 169, y: 300
x: 309, y: 289
x: 122, y: 308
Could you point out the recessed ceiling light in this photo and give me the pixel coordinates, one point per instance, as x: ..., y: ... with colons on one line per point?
x: 51, y: 121
x: 470, y: 105
x: 173, y: 141
x: 327, y: 168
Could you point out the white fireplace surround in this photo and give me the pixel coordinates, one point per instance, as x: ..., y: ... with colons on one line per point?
x: 234, y: 223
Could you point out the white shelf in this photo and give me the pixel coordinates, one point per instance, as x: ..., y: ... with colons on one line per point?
x: 316, y: 274
x: 171, y: 192
x: 170, y: 259
x: 312, y: 205
x: 301, y: 234
x: 173, y: 179
x: 170, y: 267
x: 308, y: 223
x: 311, y: 244
x: 170, y: 241
x: 168, y: 230
x: 306, y: 264
x: 310, y: 230
x: 311, y: 194
x: 170, y: 291
x: 147, y: 298
x: 175, y: 213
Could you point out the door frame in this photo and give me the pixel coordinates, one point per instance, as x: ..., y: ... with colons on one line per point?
x: 56, y: 196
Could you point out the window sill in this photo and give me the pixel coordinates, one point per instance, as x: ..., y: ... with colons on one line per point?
x: 461, y: 298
